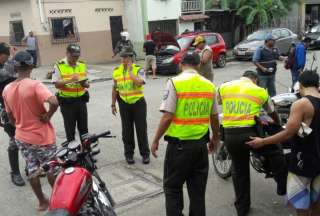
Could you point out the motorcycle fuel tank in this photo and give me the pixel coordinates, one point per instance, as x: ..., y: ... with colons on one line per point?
x: 71, y: 190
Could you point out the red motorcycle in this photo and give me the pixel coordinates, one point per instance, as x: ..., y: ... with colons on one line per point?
x: 78, y: 189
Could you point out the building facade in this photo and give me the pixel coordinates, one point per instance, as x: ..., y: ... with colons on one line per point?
x: 95, y: 25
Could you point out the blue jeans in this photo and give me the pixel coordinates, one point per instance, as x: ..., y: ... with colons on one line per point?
x: 268, y: 82
x: 34, y: 55
x: 295, y: 76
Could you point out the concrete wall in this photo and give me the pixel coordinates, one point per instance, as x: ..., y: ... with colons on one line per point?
x: 22, y: 11
x: 93, y: 26
x: 292, y: 21
x: 134, y: 20
x: 163, y: 10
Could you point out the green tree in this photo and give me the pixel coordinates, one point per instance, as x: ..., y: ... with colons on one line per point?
x: 260, y: 12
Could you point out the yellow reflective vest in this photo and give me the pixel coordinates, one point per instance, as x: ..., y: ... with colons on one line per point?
x: 128, y: 91
x: 72, y: 90
x: 242, y: 100
x: 195, y: 99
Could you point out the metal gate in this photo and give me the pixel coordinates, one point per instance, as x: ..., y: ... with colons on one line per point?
x: 169, y: 26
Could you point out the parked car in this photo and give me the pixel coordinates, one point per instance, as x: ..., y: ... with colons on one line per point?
x: 314, y: 34
x: 171, y: 52
x: 246, y: 48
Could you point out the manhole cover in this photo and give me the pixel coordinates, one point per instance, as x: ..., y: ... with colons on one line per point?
x: 129, y: 185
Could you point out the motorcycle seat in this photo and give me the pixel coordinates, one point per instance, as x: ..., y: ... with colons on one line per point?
x: 58, y: 212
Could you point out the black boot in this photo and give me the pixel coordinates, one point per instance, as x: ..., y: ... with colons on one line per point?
x: 13, y: 153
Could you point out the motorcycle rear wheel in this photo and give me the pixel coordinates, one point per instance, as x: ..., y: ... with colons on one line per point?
x: 222, y: 161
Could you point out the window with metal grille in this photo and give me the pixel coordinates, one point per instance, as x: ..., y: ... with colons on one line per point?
x: 16, y: 32
x: 63, y: 30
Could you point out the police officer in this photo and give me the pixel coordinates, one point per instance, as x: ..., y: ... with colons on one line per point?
x: 265, y: 58
x: 241, y: 101
x: 7, y: 75
x: 70, y: 78
x: 189, y: 106
x: 129, y: 79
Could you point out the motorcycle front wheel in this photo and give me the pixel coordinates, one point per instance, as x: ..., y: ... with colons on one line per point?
x: 222, y: 161
x: 103, y: 202
x: 102, y: 209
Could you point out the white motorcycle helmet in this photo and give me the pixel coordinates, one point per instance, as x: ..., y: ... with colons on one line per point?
x: 125, y: 35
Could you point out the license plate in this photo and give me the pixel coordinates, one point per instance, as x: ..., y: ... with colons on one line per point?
x: 242, y: 53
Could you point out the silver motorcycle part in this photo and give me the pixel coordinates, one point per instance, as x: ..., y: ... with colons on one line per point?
x: 100, y: 195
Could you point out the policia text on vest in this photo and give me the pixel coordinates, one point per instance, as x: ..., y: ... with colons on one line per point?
x: 186, y: 129
x: 242, y: 101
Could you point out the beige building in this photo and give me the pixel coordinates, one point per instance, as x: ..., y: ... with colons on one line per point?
x: 95, y: 25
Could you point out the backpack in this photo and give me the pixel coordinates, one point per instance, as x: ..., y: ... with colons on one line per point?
x: 290, y: 61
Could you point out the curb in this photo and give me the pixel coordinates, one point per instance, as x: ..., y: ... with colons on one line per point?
x: 102, y: 79
x: 230, y: 59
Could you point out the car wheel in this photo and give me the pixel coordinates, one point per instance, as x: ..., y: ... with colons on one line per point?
x: 221, y: 61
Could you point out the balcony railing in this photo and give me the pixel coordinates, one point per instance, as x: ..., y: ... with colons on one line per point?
x: 191, y: 6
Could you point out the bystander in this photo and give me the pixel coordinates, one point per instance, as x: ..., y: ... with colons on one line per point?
x: 31, y: 42
x: 149, y: 47
x: 24, y: 99
x: 303, y: 184
x: 299, y: 62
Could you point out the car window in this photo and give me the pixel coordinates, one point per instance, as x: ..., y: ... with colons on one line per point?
x: 184, y: 42
x: 276, y: 34
x: 285, y: 33
x: 211, y: 39
x: 258, y: 35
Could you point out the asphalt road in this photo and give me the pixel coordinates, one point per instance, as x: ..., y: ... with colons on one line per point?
x: 16, y: 201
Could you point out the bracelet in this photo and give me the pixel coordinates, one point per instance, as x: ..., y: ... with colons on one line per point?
x: 113, y: 105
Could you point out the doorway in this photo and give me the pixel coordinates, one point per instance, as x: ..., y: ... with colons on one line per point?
x: 116, y: 27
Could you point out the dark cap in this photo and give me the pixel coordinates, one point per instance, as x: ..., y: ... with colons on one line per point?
x: 22, y: 58
x: 269, y: 37
x: 4, y: 48
x: 307, y: 40
x: 126, y: 51
x: 74, y: 49
x: 191, y: 58
x: 250, y: 74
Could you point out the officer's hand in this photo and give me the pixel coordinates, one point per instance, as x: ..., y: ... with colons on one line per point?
x: 154, y: 148
x: 74, y: 78
x: 114, y: 110
x: 256, y: 142
x: 213, y: 145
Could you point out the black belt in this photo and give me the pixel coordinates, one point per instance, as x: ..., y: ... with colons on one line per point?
x: 239, y: 130
x: 176, y: 141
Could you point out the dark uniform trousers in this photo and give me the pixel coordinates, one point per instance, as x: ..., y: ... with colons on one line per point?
x: 185, y: 162
x: 74, y: 114
x: 134, y: 115
x: 235, y: 140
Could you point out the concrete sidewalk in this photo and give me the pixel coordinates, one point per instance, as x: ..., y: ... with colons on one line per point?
x: 97, y: 72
